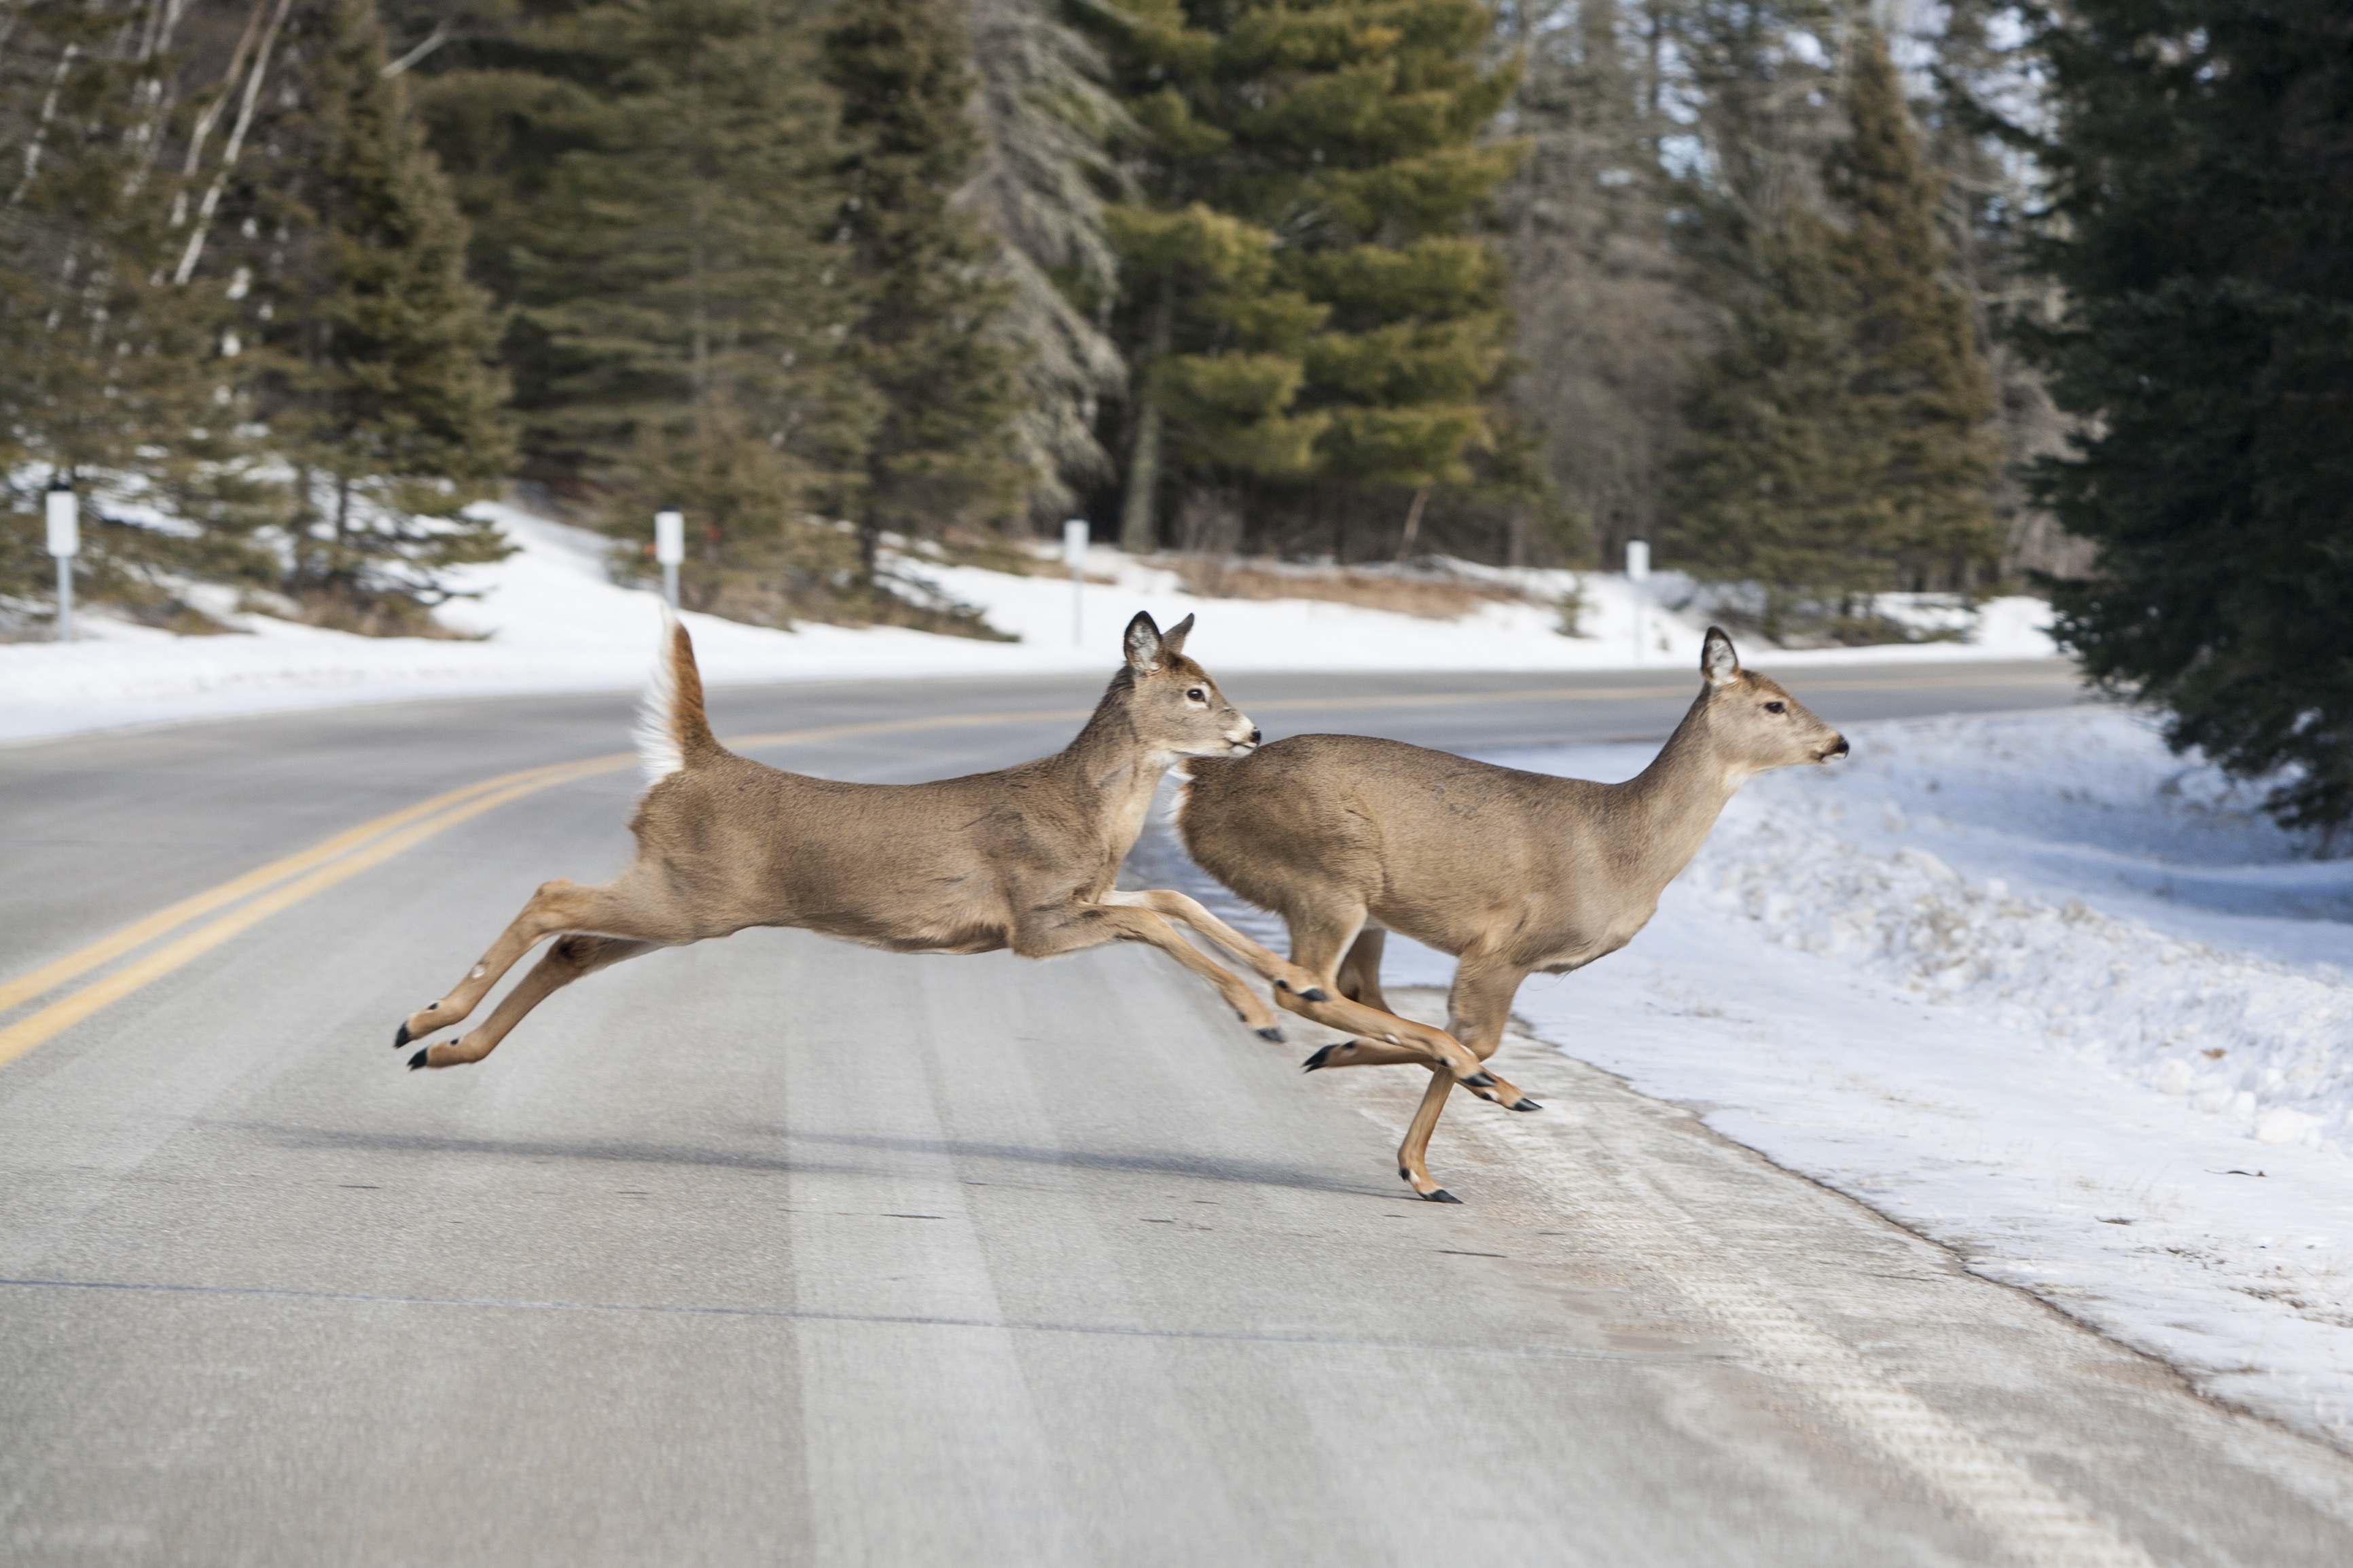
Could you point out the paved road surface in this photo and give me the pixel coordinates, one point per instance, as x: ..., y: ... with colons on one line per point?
x: 777, y: 1251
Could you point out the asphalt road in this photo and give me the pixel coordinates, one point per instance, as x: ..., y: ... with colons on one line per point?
x: 779, y: 1251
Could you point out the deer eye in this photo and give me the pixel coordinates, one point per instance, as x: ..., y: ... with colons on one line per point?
x: 1197, y: 695
x: 1777, y: 707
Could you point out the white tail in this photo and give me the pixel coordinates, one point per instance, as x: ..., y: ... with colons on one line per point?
x: 659, y: 755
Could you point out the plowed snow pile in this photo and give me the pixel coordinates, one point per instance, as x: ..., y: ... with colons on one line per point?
x: 2126, y: 908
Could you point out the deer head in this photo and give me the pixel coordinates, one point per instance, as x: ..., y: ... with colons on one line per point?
x: 1176, y: 709
x: 1752, y: 722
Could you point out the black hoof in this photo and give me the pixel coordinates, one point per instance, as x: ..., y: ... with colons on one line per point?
x: 1321, y: 1059
x: 418, y: 1060
x: 1524, y: 1103
x: 403, y: 1038
x: 1314, y: 994
x: 1270, y: 1032
x: 1441, y: 1197
x: 1480, y: 1081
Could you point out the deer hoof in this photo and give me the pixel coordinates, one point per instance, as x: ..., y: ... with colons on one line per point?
x: 1439, y: 1196
x: 418, y: 1060
x: 1524, y: 1103
x: 1322, y: 1057
x: 1270, y: 1032
x: 403, y: 1036
x: 1480, y: 1079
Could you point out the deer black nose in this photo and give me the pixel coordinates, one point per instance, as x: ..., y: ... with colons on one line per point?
x: 1837, y: 751
x: 1254, y: 735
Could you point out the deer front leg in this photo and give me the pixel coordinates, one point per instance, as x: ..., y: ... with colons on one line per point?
x: 1265, y: 961
x: 1317, y: 941
x: 567, y: 961
x: 1385, y: 1039
x: 1478, y: 1012
x: 1082, y: 926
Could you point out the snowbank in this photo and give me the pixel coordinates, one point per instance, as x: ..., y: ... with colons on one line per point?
x: 2040, y: 990
x: 552, y: 621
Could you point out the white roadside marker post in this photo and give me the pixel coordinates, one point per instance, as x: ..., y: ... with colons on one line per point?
x: 1074, y: 556
x: 1638, y: 571
x: 65, y: 543
x: 669, y: 549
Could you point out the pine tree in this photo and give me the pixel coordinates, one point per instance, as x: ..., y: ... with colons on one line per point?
x: 2202, y: 183
x: 1045, y: 119
x: 1925, y: 404
x: 1315, y: 323
x: 941, y: 378
x: 112, y: 373
x: 378, y: 384
x: 1979, y: 65
x: 1837, y: 440
x: 1603, y: 330
x: 656, y: 194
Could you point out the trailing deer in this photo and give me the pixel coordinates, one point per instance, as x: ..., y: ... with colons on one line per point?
x: 1348, y: 838
x: 1022, y: 858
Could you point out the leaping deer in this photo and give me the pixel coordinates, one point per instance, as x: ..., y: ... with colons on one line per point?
x: 1022, y: 858
x: 1348, y: 838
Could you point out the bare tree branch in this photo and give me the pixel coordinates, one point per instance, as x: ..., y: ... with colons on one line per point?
x: 433, y: 40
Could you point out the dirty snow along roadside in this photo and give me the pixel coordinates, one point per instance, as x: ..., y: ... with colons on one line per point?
x: 2039, y: 990
x: 553, y: 622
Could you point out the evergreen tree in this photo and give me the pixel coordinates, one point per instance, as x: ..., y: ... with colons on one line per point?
x: 1979, y: 65
x: 942, y: 380
x: 1045, y: 118
x: 1838, y: 442
x: 112, y: 374
x: 2202, y: 187
x: 1603, y: 330
x: 378, y: 385
x: 655, y: 188
x: 1315, y: 323
x: 1924, y: 402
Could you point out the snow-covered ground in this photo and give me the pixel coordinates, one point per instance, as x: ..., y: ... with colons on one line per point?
x: 551, y: 620
x: 2036, y: 988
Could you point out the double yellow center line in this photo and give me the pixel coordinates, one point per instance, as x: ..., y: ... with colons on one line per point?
x: 266, y: 891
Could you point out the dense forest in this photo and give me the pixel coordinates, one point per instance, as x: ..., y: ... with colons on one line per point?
x: 1823, y: 299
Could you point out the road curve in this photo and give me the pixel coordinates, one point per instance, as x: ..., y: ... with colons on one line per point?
x: 777, y: 1251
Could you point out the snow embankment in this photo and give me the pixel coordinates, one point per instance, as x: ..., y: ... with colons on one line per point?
x: 550, y: 619
x: 2042, y: 990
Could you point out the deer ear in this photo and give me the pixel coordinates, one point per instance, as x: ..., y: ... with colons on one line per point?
x: 1172, y: 641
x: 1716, y: 659
x: 1143, y: 645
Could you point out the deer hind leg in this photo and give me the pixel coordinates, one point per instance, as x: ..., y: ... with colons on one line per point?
x: 571, y: 957
x: 1266, y: 962
x: 1478, y: 1013
x: 1081, y: 926
x: 1318, y: 939
x: 622, y: 909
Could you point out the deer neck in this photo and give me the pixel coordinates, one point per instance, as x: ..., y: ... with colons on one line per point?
x: 1668, y: 808
x: 1110, y: 769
